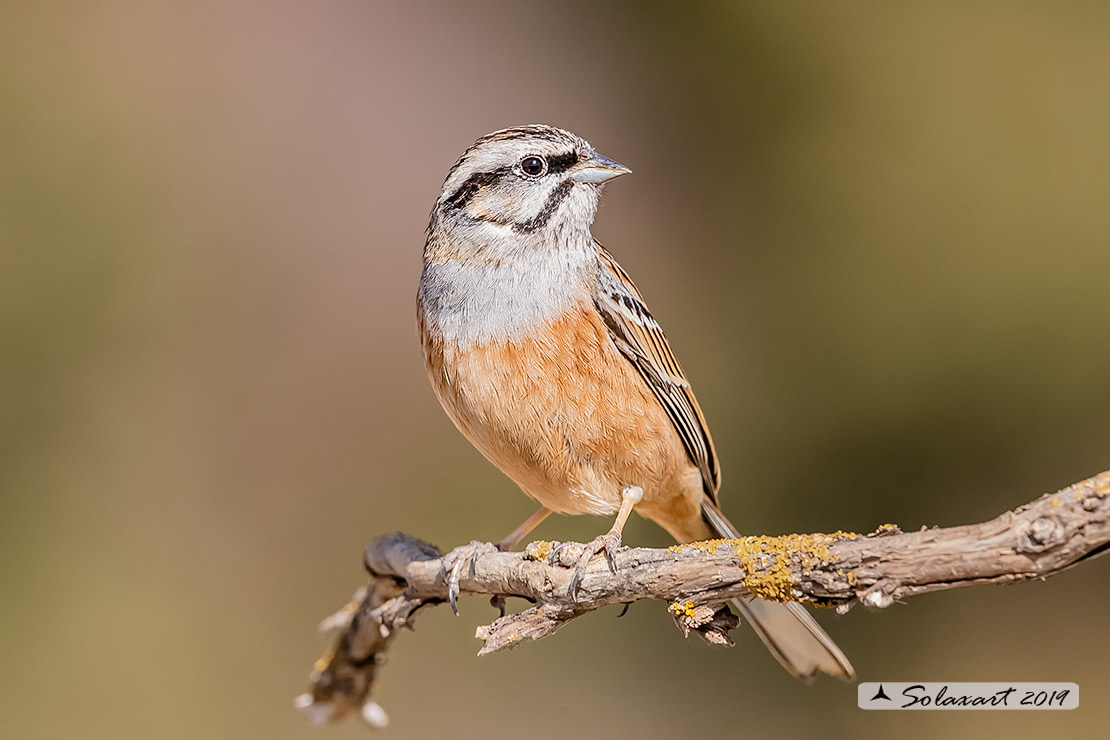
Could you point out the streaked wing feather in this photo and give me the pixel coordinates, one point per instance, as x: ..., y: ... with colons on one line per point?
x: 640, y: 338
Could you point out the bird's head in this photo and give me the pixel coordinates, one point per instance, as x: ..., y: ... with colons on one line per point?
x: 522, y: 184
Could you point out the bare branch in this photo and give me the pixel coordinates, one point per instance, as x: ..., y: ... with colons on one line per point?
x: 1034, y: 541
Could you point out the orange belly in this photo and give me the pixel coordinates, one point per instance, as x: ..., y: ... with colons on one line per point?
x: 565, y: 415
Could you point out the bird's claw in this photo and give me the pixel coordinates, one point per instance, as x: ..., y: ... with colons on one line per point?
x: 608, y: 543
x: 553, y: 557
x: 453, y: 563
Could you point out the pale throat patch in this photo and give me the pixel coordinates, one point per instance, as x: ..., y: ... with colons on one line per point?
x: 509, y: 300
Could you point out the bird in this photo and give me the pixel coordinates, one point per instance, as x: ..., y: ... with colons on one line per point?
x: 543, y: 353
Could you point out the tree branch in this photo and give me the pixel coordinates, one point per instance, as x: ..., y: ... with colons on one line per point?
x: 1034, y: 541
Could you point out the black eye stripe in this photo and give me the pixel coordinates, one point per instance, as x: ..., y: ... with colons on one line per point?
x: 562, y: 162
x: 472, y: 185
x: 466, y: 192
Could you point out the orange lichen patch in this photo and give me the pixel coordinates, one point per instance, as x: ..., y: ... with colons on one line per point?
x: 539, y: 550
x: 679, y: 609
x: 775, y: 583
x: 1055, y: 500
x: 772, y: 580
x: 1098, y: 485
x: 881, y: 530
x: 323, y: 662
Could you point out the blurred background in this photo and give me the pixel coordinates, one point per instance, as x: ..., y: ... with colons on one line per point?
x: 877, y: 234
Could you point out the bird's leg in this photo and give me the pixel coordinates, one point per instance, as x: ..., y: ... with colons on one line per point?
x: 511, y: 541
x: 611, y: 540
x: 514, y: 537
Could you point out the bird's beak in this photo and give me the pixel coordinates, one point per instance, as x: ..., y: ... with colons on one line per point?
x: 597, y: 168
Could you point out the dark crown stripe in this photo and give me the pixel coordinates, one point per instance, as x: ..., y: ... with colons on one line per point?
x: 522, y: 132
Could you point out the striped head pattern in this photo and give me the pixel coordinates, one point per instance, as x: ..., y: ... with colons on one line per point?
x: 519, y: 186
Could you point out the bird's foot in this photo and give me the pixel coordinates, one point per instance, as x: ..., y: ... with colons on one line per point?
x: 453, y: 563
x: 608, y: 543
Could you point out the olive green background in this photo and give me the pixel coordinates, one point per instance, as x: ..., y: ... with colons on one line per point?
x: 877, y: 234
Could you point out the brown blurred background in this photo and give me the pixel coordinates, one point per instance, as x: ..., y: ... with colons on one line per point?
x: 878, y: 235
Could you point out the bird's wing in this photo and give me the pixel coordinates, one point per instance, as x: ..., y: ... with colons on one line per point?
x: 640, y: 338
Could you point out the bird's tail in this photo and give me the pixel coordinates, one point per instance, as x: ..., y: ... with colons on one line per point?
x: 788, y: 631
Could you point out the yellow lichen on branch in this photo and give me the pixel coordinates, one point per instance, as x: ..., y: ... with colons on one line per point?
x: 766, y: 560
x: 680, y: 609
x: 539, y: 550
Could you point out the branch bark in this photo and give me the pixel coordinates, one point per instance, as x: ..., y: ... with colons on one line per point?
x: 1034, y: 541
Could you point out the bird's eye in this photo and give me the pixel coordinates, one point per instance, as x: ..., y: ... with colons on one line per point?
x: 533, y: 166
